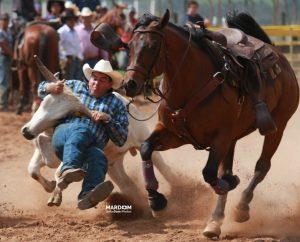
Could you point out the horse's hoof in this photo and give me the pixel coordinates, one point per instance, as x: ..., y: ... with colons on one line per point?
x: 221, y: 186
x: 157, y: 201
x: 232, y: 180
x: 241, y: 215
x: 51, y: 186
x: 212, y: 230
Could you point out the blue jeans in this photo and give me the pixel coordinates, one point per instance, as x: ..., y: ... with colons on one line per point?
x: 72, y: 71
x: 5, y: 79
x: 74, y: 144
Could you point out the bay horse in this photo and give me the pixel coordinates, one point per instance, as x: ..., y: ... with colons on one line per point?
x: 42, y: 40
x: 201, y: 107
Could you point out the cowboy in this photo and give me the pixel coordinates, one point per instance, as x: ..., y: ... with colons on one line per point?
x: 69, y: 49
x: 79, y: 141
x: 55, y: 8
x: 91, y: 54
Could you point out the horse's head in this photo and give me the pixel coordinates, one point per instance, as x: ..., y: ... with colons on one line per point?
x: 147, y: 55
x: 53, y: 108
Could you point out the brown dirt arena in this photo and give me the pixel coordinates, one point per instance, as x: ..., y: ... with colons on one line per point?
x: 275, y: 209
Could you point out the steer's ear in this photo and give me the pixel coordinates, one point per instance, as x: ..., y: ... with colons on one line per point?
x: 104, y: 37
x: 164, y: 19
x: 47, y: 74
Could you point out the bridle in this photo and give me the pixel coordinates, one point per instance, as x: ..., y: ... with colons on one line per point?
x: 147, y: 73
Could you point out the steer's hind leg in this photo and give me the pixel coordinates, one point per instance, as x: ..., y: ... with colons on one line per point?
x: 127, y: 186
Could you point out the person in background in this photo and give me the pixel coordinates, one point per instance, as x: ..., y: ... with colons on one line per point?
x: 91, y: 54
x: 193, y: 16
x: 24, y: 9
x: 131, y: 17
x: 100, y: 12
x: 69, y: 5
x: 55, y: 8
x: 69, y: 47
x: 6, y: 53
x: 91, y: 4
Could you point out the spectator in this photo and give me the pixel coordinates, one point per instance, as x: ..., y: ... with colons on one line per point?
x: 73, y: 7
x: 100, y: 12
x: 131, y: 17
x: 91, y: 54
x: 193, y: 15
x: 6, y: 53
x: 69, y: 49
x: 55, y: 8
x: 25, y: 9
x: 91, y: 4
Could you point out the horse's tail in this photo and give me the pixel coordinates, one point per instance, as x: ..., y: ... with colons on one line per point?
x: 247, y: 24
x: 43, y: 48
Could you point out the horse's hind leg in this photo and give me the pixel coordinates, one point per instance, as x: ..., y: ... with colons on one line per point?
x: 213, y: 228
x: 262, y: 167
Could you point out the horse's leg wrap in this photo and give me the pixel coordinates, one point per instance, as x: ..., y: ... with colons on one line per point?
x: 149, y: 176
x: 157, y: 201
x: 148, y: 169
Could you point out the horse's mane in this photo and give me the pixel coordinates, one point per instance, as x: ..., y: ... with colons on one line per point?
x: 201, y: 40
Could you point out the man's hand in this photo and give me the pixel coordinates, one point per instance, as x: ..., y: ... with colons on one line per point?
x: 98, y: 117
x: 55, y: 88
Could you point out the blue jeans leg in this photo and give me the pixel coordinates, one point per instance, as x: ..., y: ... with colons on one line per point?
x: 96, y: 164
x: 70, y: 142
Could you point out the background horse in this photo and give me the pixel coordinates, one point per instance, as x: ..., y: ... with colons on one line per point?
x: 202, y: 107
x: 55, y: 107
x: 39, y: 39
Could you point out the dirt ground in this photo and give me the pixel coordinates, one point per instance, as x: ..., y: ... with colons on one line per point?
x: 275, y: 209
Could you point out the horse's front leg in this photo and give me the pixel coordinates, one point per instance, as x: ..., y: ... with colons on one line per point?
x: 217, y: 154
x: 213, y: 228
x: 160, y: 139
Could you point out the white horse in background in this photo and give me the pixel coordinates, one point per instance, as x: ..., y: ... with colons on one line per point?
x: 53, y: 108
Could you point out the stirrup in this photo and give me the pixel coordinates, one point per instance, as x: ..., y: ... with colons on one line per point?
x: 264, y: 121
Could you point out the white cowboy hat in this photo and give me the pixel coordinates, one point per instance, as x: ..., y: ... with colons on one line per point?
x: 104, y: 67
x: 73, y: 7
x: 86, y: 12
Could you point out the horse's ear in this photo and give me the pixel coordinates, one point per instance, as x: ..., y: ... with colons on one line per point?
x: 165, y: 19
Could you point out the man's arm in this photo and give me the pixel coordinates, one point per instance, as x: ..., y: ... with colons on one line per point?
x: 117, y: 127
x: 57, y: 87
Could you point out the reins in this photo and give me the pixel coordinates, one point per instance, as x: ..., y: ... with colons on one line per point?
x: 147, y: 73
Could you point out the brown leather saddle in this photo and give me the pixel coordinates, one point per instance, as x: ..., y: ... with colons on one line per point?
x: 248, y: 48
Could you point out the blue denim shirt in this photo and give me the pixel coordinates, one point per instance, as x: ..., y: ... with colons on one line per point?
x: 116, y: 129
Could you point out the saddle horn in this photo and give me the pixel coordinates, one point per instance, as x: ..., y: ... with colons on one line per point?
x: 104, y: 37
x: 48, y: 75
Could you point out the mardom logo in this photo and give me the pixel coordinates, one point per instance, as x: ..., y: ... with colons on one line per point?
x: 119, y: 208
